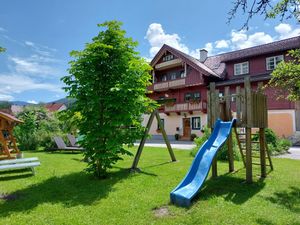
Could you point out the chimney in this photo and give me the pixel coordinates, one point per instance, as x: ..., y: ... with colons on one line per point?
x: 203, y: 55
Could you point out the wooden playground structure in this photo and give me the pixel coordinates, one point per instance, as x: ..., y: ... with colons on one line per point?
x: 249, y: 108
x: 145, y: 136
x: 8, y: 145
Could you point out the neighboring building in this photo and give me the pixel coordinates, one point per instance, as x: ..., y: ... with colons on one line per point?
x: 16, y: 109
x: 181, y: 81
x: 54, y: 107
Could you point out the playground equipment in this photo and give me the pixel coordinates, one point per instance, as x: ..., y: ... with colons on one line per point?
x: 250, y: 109
x: 145, y: 136
x: 7, y: 140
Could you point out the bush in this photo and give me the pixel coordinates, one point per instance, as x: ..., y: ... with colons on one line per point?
x: 38, y: 129
x: 222, y: 154
x: 271, y: 137
x: 275, y: 145
x: 176, y: 137
x: 193, y: 136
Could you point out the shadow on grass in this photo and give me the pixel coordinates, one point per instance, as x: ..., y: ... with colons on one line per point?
x: 70, y: 190
x: 15, y: 174
x: 290, y: 199
x: 230, y: 188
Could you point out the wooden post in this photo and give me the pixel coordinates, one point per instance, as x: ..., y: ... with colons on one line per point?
x: 248, y: 156
x: 214, y: 100
x: 228, y: 117
x: 165, y: 136
x: 248, y: 111
x: 142, y: 143
x: 262, y: 144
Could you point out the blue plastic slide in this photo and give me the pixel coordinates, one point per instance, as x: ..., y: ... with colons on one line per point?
x: 193, y: 181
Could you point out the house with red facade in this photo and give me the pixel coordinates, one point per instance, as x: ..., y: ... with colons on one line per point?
x: 180, y: 84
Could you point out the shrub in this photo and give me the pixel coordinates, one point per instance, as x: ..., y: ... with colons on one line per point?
x: 222, y: 154
x: 38, y: 129
x: 193, y: 136
x: 271, y: 137
x: 176, y: 137
x: 275, y: 145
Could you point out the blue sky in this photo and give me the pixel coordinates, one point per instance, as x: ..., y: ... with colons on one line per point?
x: 39, y: 35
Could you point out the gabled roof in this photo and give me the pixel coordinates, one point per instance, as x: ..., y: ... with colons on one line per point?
x: 52, y: 107
x: 217, y: 62
x: 196, y: 64
x: 9, y: 117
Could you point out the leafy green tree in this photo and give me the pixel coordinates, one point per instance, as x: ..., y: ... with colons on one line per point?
x: 69, y: 121
x: 38, y: 128
x: 109, y: 81
x: 2, y: 49
x: 286, y: 76
x: 284, y: 9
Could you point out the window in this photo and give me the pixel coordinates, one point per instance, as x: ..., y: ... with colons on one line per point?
x: 163, y: 124
x: 164, y: 78
x: 196, y: 123
x: 272, y: 62
x: 241, y: 68
x: 192, y: 96
x: 182, y: 74
x: 197, y: 96
x: 187, y: 97
x: 168, y: 58
x: 173, y: 76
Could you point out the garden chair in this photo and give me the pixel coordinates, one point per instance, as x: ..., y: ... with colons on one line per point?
x: 62, y: 146
x: 72, y: 140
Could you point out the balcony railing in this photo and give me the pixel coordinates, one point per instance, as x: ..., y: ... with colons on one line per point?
x: 168, y: 64
x: 190, y: 106
x: 162, y: 86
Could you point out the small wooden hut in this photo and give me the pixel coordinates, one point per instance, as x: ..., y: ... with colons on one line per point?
x: 8, y: 145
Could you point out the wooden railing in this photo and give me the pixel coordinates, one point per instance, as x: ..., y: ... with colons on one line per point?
x: 184, y: 107
x: 169, y: 84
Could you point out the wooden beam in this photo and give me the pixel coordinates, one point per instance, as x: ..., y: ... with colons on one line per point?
x: 165, y: 136
x: 262, y: 144
x: 142, y: 143
x: 249, y: 178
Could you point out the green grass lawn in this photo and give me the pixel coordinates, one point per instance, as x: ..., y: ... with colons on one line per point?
x: 61, y: 193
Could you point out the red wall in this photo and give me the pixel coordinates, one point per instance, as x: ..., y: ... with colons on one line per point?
x: 257, y: 65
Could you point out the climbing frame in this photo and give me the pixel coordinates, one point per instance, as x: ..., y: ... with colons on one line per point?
x: 249, y: 108
x: 8, y: 145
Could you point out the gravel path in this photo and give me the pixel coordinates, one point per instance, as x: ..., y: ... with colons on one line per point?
x: 183, y: 145
x: 293, y: 153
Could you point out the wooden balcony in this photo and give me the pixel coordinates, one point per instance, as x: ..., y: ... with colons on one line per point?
x: 173, y: 84
x: 184, y: 107
x: 168, y: 64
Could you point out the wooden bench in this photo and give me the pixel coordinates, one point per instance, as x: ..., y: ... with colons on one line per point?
x: 14, y: 164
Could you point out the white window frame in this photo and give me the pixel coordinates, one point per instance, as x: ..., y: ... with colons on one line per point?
x: 196, y: 121
x: 173, y: 76
x: 164, y: 78
x: 242, y: 67
x: 182, y: 74
x: 275, y: 62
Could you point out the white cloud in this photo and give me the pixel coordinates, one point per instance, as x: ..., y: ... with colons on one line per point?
x: 40, y: 49
x: 14, y: 83
x: 32, y: 102
x: 222, y: 44
x: 157, y: 37
x: 238, y: 39
x: 4, y: 97
x: 34, y: 65
x: 286, y: 31
x: 29, y: 43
